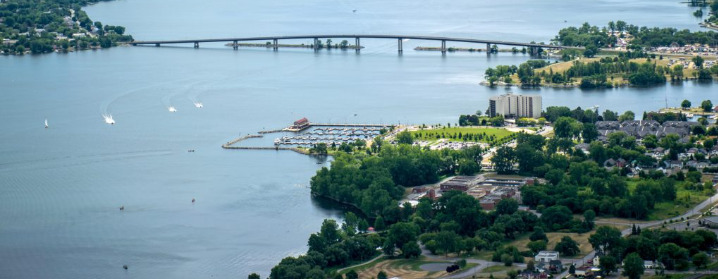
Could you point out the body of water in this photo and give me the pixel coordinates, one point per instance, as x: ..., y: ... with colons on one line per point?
x: 61, y: 187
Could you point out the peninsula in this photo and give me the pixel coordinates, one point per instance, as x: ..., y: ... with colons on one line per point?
x: 53, y: 26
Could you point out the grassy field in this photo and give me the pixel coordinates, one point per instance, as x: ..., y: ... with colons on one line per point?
x: 404, y: 268
x: 497, y: 268
x: 471, y: 134
x: 555, y: 237
x: 685, y: 200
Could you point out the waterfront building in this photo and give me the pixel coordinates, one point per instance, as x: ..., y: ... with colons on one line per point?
x: 515, y: 106
x: 301, y: 124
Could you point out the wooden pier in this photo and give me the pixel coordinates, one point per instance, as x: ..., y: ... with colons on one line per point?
x: 232, y: 142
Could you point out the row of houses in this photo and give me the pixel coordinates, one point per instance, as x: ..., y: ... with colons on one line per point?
x: 643, y: 128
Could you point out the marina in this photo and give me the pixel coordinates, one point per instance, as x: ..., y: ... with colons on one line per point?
x: 305, y: 134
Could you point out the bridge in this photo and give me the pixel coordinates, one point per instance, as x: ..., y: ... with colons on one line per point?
x: 533, y: 47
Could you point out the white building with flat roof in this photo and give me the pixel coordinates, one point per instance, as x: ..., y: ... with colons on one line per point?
x: 514, y: 106
x: 546, y: 256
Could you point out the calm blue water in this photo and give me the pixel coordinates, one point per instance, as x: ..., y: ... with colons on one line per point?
x: 61, y: 187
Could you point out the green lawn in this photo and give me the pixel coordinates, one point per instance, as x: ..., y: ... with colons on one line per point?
x: 470, y: 134
x: 497, y: 268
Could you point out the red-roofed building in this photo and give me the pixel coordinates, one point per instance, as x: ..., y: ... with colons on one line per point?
x: 301, y: 124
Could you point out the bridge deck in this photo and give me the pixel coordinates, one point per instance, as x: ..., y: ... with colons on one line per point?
x: 399, y: 37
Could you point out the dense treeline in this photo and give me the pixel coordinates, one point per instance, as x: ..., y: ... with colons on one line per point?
x: 674, y: 250
x: 43, y: 26
x: 594, y: 73
x: 374, y: 183
x: 598, y: 37
x: 332, y: 246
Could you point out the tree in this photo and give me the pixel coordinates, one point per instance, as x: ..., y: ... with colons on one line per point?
x: 382, y: 275
x: 700, y: 259
x: 531, y: 266
x: 609, y: 115
x: 320, y: 148
x: 621, y: 25
x: 605, y: 239
x: 707, y: 105
x: 685, y: 104
x: 411, y: 250
x: 405, y: 138
x: 609, y: 264
x: 588, y: 218
x: 556, y: 216
x: 572, y: 269
x: 632, y: 266
x: 536, y: 246
x: 538, y: 234
x: 352, y: 275
x: 447, y: 241
x: 567, y: 246
x: 567, y: 127
x: 698, y: 61
x: 589, y: 133
x: 251, y: 276
x: 507, y: 206
x: 673, y: 256
x: 504, y: 160
x: 626, y: 116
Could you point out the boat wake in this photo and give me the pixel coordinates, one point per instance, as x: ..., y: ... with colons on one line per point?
x: 198, y: 104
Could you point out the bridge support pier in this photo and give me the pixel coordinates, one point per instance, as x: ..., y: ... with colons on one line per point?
x: 157, y: 45
x: 316, y: 44
x: 276, y: 44
x: 443, y: 46
x: 488, y: 48
x: 357, y: 44
x: 235, y: 45
x: 401, y: 45
x: 196, y: 44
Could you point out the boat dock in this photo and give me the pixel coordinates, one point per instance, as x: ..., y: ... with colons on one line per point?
x: 307, y: 134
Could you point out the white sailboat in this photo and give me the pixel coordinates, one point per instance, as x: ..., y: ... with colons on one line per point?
x: 198, y: 105
x: 46, y: 126
x: 172, y: 109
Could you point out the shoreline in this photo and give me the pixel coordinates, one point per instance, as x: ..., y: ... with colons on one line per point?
x: 576, y: 85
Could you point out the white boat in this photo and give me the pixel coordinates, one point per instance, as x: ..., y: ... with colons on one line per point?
x: 198, y: 105
x: 172, y: 109
x: 108, y: 119
x: 46, y: 123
